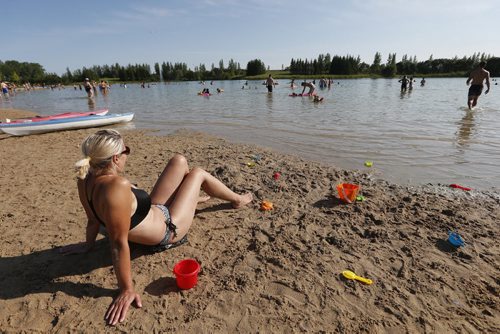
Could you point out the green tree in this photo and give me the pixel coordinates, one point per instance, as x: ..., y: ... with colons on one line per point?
x: 377, y: 61
x: 157, y: 71
x: 345, y: 65
x: 256, y: 67
x: 493, y: 65
x: 390, y: 69
x: 14, y: 77
x: 328, y: 62
x: 51, y: 79
x: 69, y: 75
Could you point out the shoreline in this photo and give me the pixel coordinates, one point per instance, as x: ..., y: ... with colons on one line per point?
x: 277, y: 270
x: 457, y: 149
x: 15, y: 113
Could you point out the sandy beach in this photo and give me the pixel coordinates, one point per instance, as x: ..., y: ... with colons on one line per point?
x: 275, y: 271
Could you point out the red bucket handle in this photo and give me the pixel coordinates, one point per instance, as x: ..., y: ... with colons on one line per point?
x: 345, y: 195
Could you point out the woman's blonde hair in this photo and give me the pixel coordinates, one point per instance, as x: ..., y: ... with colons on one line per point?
x: 98, y: 150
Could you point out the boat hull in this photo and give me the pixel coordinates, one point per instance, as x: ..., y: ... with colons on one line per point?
x: 30, y: 128
x: 55, y: 116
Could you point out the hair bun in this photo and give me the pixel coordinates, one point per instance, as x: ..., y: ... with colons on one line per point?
x: 82, y: 167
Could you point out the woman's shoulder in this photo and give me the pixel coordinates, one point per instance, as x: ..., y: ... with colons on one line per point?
x: 110, y: 184
x: 117, y: 182
x: 115, y: 189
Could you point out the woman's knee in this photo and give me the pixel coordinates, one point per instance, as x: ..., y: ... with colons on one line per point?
x: 197, y: 172
x: 179, y: 160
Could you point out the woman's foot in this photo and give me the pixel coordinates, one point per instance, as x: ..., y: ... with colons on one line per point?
x: 242, y: 200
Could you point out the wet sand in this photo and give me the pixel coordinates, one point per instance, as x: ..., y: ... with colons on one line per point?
x: 15, y: 113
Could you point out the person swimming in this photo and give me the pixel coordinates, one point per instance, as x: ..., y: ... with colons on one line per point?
x: 318, y: 99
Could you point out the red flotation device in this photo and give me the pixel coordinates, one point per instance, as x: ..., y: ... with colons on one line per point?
x: 457, y: 186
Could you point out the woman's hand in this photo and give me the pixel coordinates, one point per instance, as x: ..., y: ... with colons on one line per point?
x: 118, y: 309
x: 78, y: 248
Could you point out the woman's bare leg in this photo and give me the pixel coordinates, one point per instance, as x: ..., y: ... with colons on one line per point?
x: 184, y: 203
x: 170, y: 180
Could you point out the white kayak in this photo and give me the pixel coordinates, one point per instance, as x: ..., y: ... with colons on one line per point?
x: 23, y: 129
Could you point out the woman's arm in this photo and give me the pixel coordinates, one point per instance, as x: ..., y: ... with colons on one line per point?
x: 91, y: 232
x: 120, y: 253
x: 117, y: 217
x: 92, y: 222
x: 92, y: 226
x: 83, y: 247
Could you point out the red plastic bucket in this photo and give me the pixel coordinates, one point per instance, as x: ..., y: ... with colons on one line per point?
x: 347, y: 192
x: 186, y: 273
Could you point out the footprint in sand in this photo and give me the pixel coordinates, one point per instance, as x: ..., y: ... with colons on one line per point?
x: 282, y: 290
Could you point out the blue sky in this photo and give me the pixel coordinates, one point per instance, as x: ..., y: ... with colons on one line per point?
x: 59, y: 34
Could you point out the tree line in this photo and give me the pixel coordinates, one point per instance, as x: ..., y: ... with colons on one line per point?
x: 21, y: 72
x: 324, y: 64
x: 350, y: 65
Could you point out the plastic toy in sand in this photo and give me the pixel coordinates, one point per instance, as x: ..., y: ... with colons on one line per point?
x: 457, y: 186
x: 251, y: 164
x: 368, y: 163
x: 455, y: 239
x: 360, y: 198
x: 276, y: 176
x: 347, y: 192
x: 186, y: 273
x: 266, y: 206
x: 256, y: 157
x: 350, y: 275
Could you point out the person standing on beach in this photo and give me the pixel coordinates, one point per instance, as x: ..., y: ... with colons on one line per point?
x: 270, y: 83
x: 160, y: 220
x: 476, y: 79
x: 88, y: 88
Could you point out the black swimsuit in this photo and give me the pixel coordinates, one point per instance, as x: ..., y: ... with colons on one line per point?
x: 475, y: 90
x: 143, y: 207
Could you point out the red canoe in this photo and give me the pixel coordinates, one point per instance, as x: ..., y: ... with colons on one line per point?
x: 58, y: 116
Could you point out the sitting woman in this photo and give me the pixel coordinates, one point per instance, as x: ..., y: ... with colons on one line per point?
x: 159, y: 219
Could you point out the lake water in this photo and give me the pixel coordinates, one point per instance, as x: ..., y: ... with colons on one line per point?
x: 426, y: 135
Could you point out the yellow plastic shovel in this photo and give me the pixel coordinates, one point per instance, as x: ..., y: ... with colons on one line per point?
x: 350, y: 275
